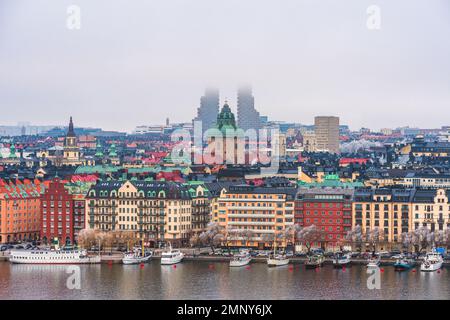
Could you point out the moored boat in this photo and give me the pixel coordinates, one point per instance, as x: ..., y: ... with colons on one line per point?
x: 136, y: 257
x: 171, y: 256
x: 277, y: 260
x: 403, y: 264
x: 432, y: 261
x: 241, y: 259
x: 341, y: 260
x: 314, y: 261
x: 57, y: 256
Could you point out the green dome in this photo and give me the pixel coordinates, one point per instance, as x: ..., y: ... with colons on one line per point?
x: 12, y: 152
x: 112, y: 151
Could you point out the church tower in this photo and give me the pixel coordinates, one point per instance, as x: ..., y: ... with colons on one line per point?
x: 71, y: 150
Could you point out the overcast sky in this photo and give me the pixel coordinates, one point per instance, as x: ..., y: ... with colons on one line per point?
x: 138, y: 62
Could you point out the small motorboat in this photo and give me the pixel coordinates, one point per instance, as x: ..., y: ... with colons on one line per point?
x: 432, y: 261
x: 315, y: 261
x: 277, y: 260
x: 137, y: 257
x: 241, y: 259
x: 403, y: 264
x: 341, y: 260
x: 171, y: 256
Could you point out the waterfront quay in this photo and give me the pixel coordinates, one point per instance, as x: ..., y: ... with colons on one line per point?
x: 192, y: 256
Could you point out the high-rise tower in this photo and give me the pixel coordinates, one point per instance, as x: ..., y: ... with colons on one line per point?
x: 248, y: 117
x: 327, y: 134
x: 209, y: 108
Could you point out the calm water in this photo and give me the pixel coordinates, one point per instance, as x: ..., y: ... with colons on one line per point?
x: 202, y: 280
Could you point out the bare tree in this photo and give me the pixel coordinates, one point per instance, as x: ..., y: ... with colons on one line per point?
x: 86, y: 238
x: 373, y: 237
x: 213, y: 235
x: 439, y: 238
x: 407, y: 240
x: 355, y: 237
x: 195, y: 240
x: 309, y: 235
x: 247, y: 234
x: 447, y: 237
x: 268, y: 238
x: 420, y: 238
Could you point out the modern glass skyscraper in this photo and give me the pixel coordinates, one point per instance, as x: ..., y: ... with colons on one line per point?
x: 248, y: 117
x: 209, y: 108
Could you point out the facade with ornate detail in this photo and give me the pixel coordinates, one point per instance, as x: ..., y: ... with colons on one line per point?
x: 155, y: 211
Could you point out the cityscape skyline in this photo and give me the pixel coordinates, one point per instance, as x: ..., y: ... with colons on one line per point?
x: 301, y: 60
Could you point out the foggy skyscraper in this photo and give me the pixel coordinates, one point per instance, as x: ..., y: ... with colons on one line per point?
x: 209, y: 108
x: 248, y: 117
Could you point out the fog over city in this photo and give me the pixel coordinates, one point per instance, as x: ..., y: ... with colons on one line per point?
x: 138, y: 62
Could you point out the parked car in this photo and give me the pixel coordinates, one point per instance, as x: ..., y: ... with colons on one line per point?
x: 19, y: 247
x: 28, y: 246
x: 289, y: 254
x: 384, y: 254
x: 300, y: 254
x: 396, y: 256
x: 4, y: 248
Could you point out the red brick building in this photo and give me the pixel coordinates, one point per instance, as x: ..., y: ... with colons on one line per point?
x: 330, y: 209
x: 57, y: 207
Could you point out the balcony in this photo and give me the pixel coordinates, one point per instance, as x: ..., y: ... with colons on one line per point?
x: 250, y: 215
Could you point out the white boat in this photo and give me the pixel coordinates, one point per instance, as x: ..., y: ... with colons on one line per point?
x: 52, y: 257
x: 277, y: 260
x: 432, y: 261
x: 373, y: 262
x: 137, y: 257
x: 315, y: 261
x: 341, y: 260
x: 171, y: 256
x: 241, y: 259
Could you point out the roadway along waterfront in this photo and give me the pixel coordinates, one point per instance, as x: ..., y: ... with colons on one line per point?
x: 216, y: 280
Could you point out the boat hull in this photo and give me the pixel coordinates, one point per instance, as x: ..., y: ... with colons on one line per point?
x: 402, y: 266
x: 169, y: 261
x: 240, y: 263
x: 52, y: 257
x: 277, y: 262
x: 431, y: 267
x: 135, y: 260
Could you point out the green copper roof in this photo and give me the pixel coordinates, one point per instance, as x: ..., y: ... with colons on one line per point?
x: 12, y: 152
x: 225, y: 119
x: 113, y: 151
x: 331, y: 180
x: 99, y: 153
x: 96, y: 169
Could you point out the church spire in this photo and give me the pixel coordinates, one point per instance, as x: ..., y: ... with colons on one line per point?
x: 71, y: 132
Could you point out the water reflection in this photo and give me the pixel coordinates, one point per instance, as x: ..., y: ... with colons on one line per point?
x: 202, y: 280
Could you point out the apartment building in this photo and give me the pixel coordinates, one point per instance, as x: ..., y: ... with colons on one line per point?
x: 330, y: 209
x: 20, y: 203
x: 155, y: 211
x: 388, y: 209
x: 265, y: 212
